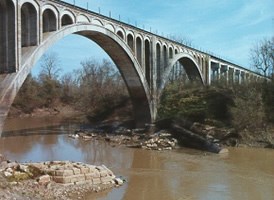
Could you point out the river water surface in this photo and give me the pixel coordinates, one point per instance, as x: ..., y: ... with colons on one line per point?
x: 243, y: 174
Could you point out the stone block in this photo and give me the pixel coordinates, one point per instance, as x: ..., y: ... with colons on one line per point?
x: 76, y: 171
x: 80, y: 182
x: 96, y: 181
x: 100, y: 168
x: 61, y: 179
x: 84, y: 170
x: 89, y: 176
x: 65, y: 172
x: 94, y: 174
x: 92, y: 169
x: 77, y: 178
x: 43, y: 180
x: 107, y: 179
x: 103, y: 173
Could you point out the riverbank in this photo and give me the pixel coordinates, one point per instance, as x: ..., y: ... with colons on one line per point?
x: 120, y: 129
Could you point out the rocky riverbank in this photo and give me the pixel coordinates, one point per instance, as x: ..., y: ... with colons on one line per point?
x: 132, y: 138
x: 169, y: 134
x: 53, y: 180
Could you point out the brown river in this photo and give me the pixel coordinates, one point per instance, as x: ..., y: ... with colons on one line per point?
x: 182, y: 174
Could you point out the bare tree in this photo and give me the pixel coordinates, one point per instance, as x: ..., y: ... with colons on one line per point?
x: 182, y: 39
x: 262, y: 56
x: 50, y: 66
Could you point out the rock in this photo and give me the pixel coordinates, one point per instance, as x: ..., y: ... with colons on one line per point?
x: 20, y: 175
x: 3, y: 165
x: 13, y: 165
x: 74, y: 136
x: 7, y: 174
x: 43, y: 180
x: 118, y: 181
x: 224, y: 150
x: 23, y: 168
x: 13, y: 183
x: 10, y: 170
x: 2, y: 158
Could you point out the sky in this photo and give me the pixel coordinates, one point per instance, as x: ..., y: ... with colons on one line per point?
x: 227, y: 28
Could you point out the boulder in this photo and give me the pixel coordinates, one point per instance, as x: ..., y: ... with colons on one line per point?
x: 7, y: 174
x: 118, y: 181
x: 2, y: 158
x: 43, y: 180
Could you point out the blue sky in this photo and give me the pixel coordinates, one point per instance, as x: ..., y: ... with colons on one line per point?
x: 228, y: 28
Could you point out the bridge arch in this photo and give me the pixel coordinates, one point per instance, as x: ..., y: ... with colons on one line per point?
x: 82, y: 19
x: 67, y: 18
x: 29, y: 24
x: 148, y: 60
x: 49, y: 20
x: 110, y: 27
x: 7, y: 37
x: 139, y: 48
x: 158, y: 63
x: 120, y: 32
x: 190, y: 65
x: 116, y: 48
x: 170, y: 52
x: 130, y: 41
x: 165, y: 56
x: 97, y: 22
x: 176, y: 50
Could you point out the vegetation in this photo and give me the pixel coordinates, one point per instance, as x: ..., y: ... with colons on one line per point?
x: 262, y: 56
x: 248, y: 108
x: 96, y: 88
x: 195, y: 103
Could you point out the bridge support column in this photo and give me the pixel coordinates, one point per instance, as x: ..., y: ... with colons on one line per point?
x: 218, y: 72
x: 208, y: 74
x: 3, y: 116
x: 6, y: 99
x: 243, y: 77
x: 224, y: 73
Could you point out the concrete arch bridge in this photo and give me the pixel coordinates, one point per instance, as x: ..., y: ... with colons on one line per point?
x: 29, y: 27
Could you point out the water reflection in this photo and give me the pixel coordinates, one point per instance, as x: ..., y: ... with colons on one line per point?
x: 182, y: 174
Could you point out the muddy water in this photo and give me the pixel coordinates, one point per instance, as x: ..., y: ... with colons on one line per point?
x: 175, y: 175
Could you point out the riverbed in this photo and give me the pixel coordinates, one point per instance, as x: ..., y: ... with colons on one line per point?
x: 179, y: 174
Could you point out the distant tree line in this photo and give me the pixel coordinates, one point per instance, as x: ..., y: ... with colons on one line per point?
x: 96, y: 88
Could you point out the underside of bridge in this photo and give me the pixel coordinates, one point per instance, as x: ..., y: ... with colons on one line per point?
x: 116, y: 49
x: 127, y: 68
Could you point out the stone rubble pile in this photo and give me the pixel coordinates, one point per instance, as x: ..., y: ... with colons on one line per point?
x: 132, y: 138
x: 160, y: 141
x: 63, y: 172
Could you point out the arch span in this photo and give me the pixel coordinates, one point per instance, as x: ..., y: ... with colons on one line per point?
x: 117, y: 49
x: 7, y: 37
x: 29, y: 18
x: 49, y: 21
x: 191, y: 67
